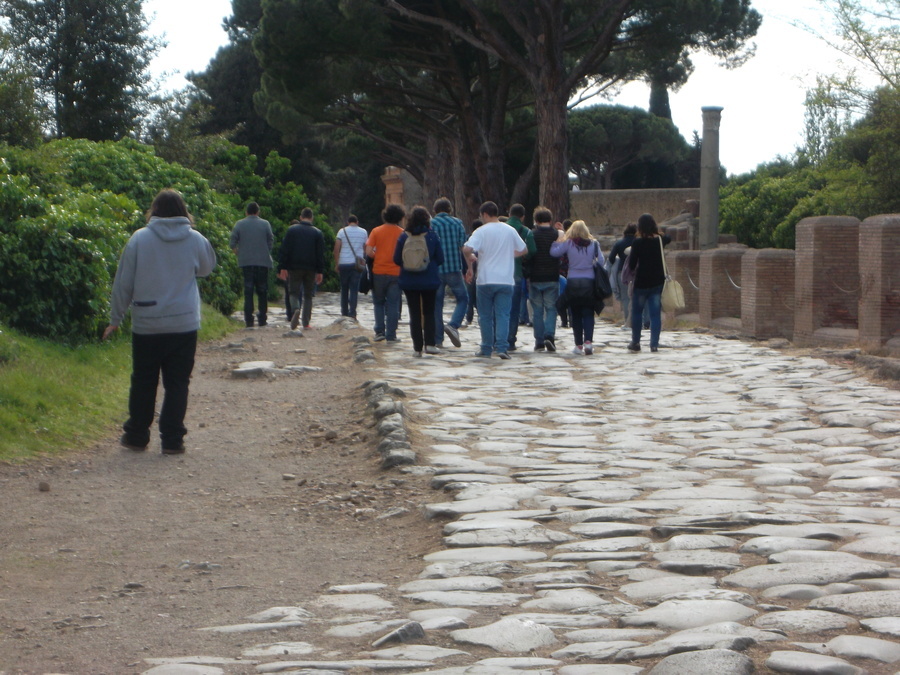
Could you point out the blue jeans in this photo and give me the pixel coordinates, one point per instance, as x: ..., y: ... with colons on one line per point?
x: 515, y: 302
x: 494, y: 303
x: 523, y: 303
x: 386, y: 300
x: 582, y: 323
x: 649, y: 297
x: 350, y: 277
x: 256, y: 280
x: 458, y: 287
x: 543, y: 296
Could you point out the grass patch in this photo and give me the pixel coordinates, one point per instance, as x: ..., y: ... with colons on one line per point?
x: 54, y: 398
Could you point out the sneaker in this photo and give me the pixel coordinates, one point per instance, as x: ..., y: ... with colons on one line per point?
x: 431, y: 349
x: 125, y: 442
x: 174, y: 450
x: 512, y: 348
x: 578, y: 349
x: 634, y: 347
x: 588, y: 348
x: 482, y: 355
x: 295, y: 319
x: 453, y: 334
x: 379, y: 337
x: 504, y: 355
x: 538, y: 346
x: 263, y: 324
x: 307, y: 327
x: 654, y: 349
x: 393, y: 340
x: 419, y: 354
x: 550, y: 345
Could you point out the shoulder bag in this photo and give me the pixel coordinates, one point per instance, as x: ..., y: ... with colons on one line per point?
x: 360, y: 261
x: 672, y: 293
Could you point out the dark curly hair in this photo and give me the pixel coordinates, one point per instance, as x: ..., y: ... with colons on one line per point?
x: 393, y: 214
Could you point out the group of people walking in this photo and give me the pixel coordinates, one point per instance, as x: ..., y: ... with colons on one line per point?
x: 419, y: 255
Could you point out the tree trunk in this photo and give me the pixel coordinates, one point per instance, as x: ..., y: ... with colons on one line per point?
x: 550, y: 112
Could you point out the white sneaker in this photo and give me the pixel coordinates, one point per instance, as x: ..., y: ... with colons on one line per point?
x: 578, y: 349
x: 453, y: 334
x: 418, y: 354
x: 588, y: 348
x: 430, y: 349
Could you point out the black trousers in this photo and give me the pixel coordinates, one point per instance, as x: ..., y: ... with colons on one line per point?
x: 421, y: 317
x: 171, y: 354
x: 256, y: 281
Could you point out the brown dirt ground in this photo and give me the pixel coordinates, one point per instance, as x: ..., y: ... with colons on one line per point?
x: 279, y: 493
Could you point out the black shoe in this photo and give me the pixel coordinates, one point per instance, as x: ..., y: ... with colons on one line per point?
x: 504, y: 355
x: 125, y: 442
x: 538, y: 346
x: 263, y: 324
x: 174, y: 450
x: 654, y: 349
x: 512, y: 348
x: 634, y: 347
x: 550, y: 345
x: 248, y: 324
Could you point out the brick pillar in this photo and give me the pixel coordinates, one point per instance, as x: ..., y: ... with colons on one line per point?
x: 767, y: 293
x: 684, y: 267
x: 879, y: 265
x: 393, y: 185
x: 826, y: 294
x: 720, y: 272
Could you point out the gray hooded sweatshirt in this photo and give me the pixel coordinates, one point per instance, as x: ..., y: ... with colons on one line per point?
x: 157, y: 277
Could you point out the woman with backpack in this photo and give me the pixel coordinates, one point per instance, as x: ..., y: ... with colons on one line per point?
x: 581, y: 249
x: 419, y: 254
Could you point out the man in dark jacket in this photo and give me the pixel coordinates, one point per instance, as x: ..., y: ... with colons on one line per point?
x: 543, y: 286
x: 301, y: 262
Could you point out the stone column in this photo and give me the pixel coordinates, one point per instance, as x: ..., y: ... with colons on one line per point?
x: 709, y: 178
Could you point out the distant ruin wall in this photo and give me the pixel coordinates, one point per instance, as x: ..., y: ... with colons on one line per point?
x: 609, y: 211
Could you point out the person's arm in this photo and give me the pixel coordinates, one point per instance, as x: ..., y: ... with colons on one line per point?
x: 270, y: 237
x: 531, y: 247
x: 207, y: 258
x: 235, y: 241
x: 122, y: 290
x: 470, y: 256
x: 558, y: 248
x: 438, y: 250
x: 283, y: 256
x: 336, y: 253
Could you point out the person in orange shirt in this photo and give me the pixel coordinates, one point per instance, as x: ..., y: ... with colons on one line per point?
x: 386, y: 273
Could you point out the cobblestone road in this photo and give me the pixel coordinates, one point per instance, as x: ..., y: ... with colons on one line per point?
x: 716, y: 507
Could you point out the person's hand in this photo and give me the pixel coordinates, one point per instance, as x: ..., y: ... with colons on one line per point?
x: 470, y: 274
x: 319, y: 278
x: 109, y: 331
x: 558, y: 225
x: 283, y: 275
x: 560, y: 235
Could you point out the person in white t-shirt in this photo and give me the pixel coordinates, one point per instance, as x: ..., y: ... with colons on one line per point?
x: 494, y: 246
x: 350, y: 263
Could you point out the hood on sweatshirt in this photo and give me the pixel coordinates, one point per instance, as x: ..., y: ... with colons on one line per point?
x: 170, y: 229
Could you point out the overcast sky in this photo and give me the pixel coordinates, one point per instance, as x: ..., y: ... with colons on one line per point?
x: 762, y: 100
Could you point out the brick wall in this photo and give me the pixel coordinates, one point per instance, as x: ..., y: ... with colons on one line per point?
x: 879, y: 265
x: 767, y: 293
x: 720, y: 271
x: 684, y: 267
x: 609, y: 211
x: 826, y: 293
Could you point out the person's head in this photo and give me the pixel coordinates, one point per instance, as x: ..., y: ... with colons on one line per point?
x: 393, y: 214
x: 542, y: 216
x: 579, y: 230
x: 443, y: 205
x: 306, y: 214
x: 352, y: 220
x: 630, y: 230
x: 419, y: 219
x: 168, y: 204
x: 476, y: 224
x: 488, y: 211
x: 566, y: 225
x: 252, y: 209
x: 646, y: 226
x: 517, y: 211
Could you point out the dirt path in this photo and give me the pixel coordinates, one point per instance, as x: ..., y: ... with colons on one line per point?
x: 279, y: 495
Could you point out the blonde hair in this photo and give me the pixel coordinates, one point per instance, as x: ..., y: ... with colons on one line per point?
x: 579, y: 230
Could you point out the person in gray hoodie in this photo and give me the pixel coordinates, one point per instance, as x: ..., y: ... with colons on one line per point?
x: 157, y: 279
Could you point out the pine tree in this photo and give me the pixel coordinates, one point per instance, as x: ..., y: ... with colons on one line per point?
x: 89, y: 60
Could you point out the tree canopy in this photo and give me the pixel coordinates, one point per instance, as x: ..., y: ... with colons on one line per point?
x: 89, y: 61
x: 451, y: 71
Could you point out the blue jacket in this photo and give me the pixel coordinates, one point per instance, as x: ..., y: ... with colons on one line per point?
x: 429, y: 278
